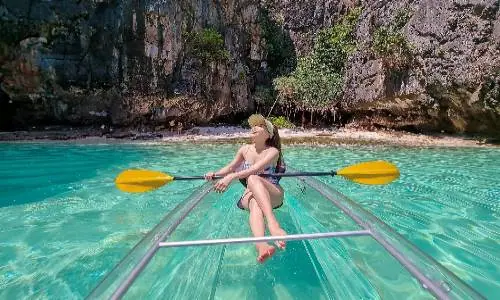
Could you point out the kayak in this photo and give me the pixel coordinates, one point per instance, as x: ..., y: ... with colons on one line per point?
x: 335, y: 250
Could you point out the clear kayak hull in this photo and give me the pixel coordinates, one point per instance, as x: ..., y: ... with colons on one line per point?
x: 335, y: 250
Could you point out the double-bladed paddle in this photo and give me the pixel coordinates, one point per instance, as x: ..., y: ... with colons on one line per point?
x: 371, y: 172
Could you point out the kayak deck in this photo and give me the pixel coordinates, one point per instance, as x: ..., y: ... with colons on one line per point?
x: 332, y: 253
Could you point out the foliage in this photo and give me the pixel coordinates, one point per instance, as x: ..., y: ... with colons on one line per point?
x: 281, y: 56
x: 206, y: 45
x: 490, y: 92
x: 281, y: 122
x: 244, y: 123
x: 309, y: 87
x: 402, y: 17
x: 333, y: 45
x: 264, y: 95
x: 391, y: 45
x: 317, y: 80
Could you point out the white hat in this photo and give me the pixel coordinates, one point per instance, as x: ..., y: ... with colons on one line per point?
x: 259, y: 120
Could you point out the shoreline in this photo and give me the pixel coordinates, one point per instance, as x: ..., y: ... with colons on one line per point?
x: 235, y: 134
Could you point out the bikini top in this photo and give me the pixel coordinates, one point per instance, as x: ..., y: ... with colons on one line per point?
x: 279, y: 168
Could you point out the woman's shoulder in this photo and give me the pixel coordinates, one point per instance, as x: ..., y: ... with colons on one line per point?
x: 244, y: 147
x: 272, y: 150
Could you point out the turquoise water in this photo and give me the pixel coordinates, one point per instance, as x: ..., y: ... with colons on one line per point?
x: 63, y: 225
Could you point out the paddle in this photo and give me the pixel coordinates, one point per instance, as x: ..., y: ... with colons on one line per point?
x: 372, y: 172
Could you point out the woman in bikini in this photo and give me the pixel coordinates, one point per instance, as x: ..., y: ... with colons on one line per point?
x: 262, y: 193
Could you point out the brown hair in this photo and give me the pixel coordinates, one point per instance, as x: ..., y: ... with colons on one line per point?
x: 275, y: 142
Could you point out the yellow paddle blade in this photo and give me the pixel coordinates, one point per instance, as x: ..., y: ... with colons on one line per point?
x: 138, y: 181
x: 372, y: 172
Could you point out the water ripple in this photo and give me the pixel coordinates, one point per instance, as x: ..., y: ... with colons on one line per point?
x: 61, y: 216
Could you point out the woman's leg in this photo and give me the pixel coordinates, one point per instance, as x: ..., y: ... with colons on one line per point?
x: 258, y: 229
x: 267, y: 196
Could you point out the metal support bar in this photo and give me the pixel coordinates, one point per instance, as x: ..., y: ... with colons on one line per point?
x: 434, y: 289
x: 304, y: 236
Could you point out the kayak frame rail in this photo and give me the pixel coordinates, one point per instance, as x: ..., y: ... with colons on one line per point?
x: 136, y: 271
x: 440, y: 290
x: 367, y: 230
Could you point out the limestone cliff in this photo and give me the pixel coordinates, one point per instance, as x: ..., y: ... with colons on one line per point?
x: 442, y: 72
x: 453, y: 82
x: 123, y: 62
x: 135, y: 62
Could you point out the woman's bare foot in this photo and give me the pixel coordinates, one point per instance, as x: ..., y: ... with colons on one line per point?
x: 265, y: 252
x: 276, y: 230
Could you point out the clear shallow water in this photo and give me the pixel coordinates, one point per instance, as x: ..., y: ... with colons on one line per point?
x: 63, y: 225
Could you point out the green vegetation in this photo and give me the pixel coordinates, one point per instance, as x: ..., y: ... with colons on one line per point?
x: 390, y: 44
x: 309, y: 87
x: 402, y: 17
x: 281, y: 57
x: 317, y: 80
x: 206, y: 45
x: 333, y: 45
x: 490, y: 92
x: 281, y: 122
x: 264, y: 95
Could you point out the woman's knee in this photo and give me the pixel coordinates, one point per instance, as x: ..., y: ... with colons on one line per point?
x: 252, y: 180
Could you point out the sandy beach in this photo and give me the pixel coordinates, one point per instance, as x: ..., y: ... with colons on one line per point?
x: 332, y: 136
x: 234, y: 134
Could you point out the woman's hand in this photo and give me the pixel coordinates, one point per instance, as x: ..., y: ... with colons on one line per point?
x: 222, y: 184
x: 209, y: 176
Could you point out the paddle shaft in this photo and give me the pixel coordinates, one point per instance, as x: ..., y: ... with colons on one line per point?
x: 330, y: 173
x: 371, y: 173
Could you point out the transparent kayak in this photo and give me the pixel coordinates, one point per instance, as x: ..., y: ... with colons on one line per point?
x: 203, y: 249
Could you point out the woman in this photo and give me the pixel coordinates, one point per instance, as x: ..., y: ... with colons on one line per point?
x: 262, y: 193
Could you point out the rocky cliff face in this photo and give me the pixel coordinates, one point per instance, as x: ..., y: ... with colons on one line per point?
x: 130, y: 62
x: 450, y: 80
x: 452, y: 83
x: 123, y: 62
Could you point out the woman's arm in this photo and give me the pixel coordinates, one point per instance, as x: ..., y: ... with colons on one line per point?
x: 270, y: 156
x: 238, y: 159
